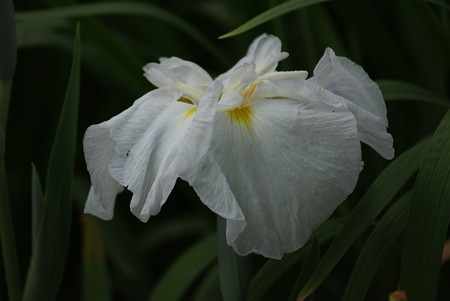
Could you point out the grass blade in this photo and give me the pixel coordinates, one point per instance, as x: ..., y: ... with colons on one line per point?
x: 8, y: 53
x: 48, y: 259
x: 275, y: 269
x: 182, y: 274
x: 210, y: 287
x: 37, y: 205
x: 8, y: 241
x: 307, y: 268
x: 377, y: 246
x: 125, y: 8
x: 428, y: 219
x: 379, y: 194
x: 394, y: 90
x: 440, y: 4
x: 270, y: 14
x: 96, y: 286
x: 234, y: 270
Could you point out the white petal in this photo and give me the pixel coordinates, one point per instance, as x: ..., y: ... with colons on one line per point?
x: 172, y: 147
x: 126, y: 134
x: 371, y: 128
x: 240, y: 77
x: 284, y: 75
x: 229, y: 100
x: 289, y: 166
x: 264, y: 52
x: 186, y: 76
x: 212, y: 188
x: 101, y: 144
x: 267, y: 54
x: 347, y: 79
x: 97, y: 151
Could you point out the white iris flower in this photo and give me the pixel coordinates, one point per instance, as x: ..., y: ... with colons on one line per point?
x: 272, y: 152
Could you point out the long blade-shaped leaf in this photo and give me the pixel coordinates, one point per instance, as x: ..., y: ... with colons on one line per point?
x: 376, y: 248
x: 182, y: 274
x: 275, y: 269
x: 271, y: 14
x: 8, y: 53
x: 379, y: 194
x: 125, y: 8
x: 399, y: 90
x: 37, y: 205
x: 234, y: 270
x: 7, y: 239
x: 96, y: 286
x: 307, y: 268
x: 48, y: 259
x: 428, y: 219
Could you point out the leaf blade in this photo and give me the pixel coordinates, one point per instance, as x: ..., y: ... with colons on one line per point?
x: 428, y: 219
x: 270, y: 14
x: 377, y: 246
x: 234, y: 270
x: 185, y: 270
x: 394, y: 90
x: 382, y: 190
x: 48, y: 258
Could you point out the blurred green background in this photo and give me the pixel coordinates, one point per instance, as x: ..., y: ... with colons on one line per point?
x: 124, y: 259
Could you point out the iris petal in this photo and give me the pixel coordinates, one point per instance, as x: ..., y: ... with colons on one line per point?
x: 112, y: 139
x: 285, y: 178
x: 343, y: 77
x: 371, y: 128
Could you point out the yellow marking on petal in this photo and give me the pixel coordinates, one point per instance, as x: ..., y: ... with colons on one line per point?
x: 250, y: 90
x: 243, y: 116
x: 183, y: 99
x: 189, y: 112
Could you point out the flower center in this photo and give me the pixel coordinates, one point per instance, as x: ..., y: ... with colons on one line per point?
x: 242, y: 115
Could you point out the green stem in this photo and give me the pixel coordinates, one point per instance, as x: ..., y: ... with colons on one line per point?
x: 7, y: 239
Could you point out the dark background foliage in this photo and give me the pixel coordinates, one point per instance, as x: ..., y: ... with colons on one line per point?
x: 124, y: 259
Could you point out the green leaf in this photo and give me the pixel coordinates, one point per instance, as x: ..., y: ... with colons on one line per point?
x: 125, y: 8
x: 234, y: 270
x: 8, y: 51
x: 48, y: 259
x: 7, y: 238
x: 270, y: 14
x: 275, y: 269
x: 209, y: 289
x: 96, y: 285
x: 377, y: 246
x: 174, y: 228
x: 185, y: 271
x: 398, y: 90
x: 37, y: 205
x: 440, y: 3
x: 379, y: 194
x: 307, y: 268
x: 428, y: 219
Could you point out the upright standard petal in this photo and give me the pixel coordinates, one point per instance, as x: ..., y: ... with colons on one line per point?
x: 101, y: 145
x: 186, y: 76
x: 289, y: 166
x: 264, y: 53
